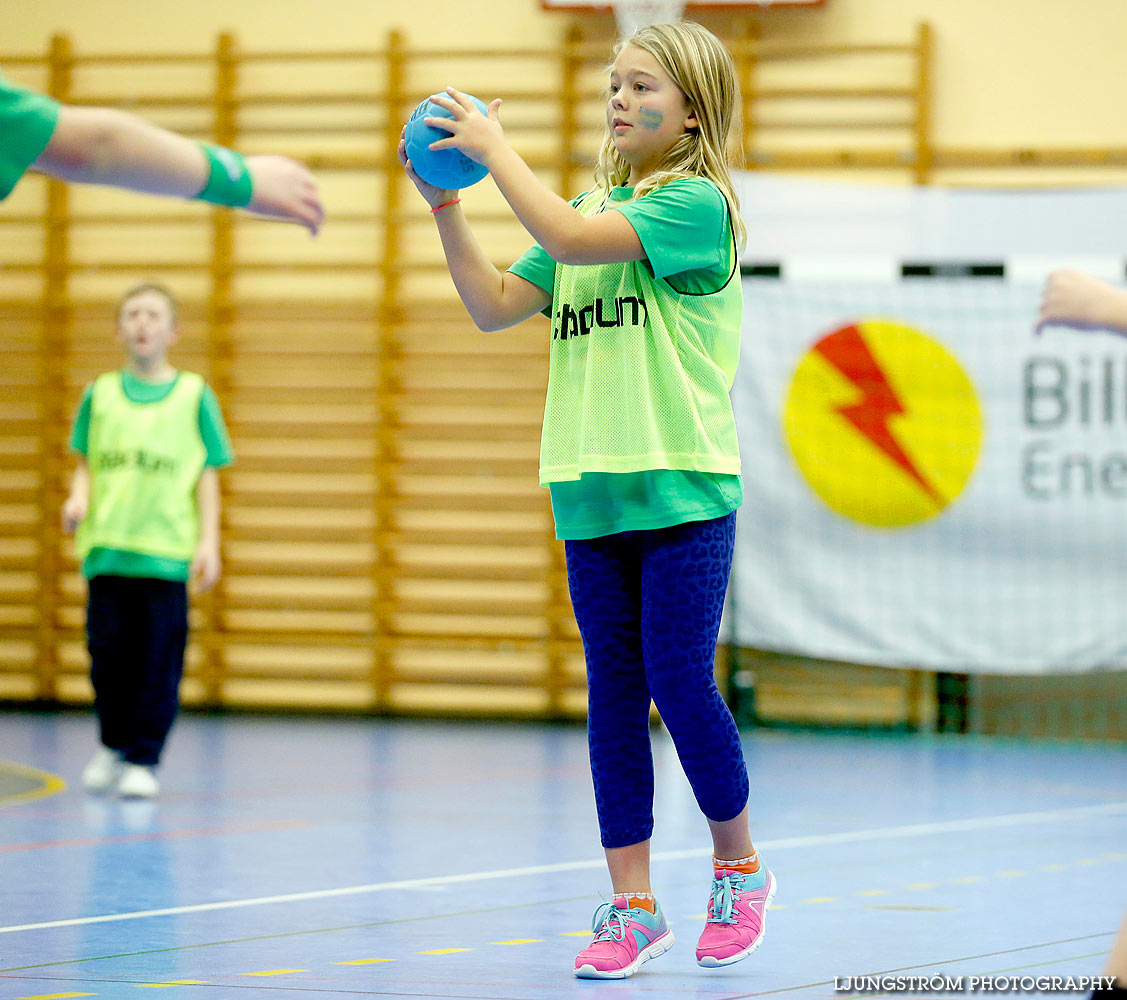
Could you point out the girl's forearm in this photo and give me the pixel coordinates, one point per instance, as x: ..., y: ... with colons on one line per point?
x: 479, y: 283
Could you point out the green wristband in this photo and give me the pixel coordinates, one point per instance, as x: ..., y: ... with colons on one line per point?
x: 228, y: 180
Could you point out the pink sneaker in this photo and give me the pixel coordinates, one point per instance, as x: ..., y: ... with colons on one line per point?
x: 624, y: 940
x: 736, y: 914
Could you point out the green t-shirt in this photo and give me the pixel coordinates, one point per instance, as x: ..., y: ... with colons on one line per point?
x: 216, y: 442
x: 27, y: 122
x: 685, y: 231
x: 605, y: 503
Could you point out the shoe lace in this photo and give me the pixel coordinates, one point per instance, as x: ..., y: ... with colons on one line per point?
x: 725, y: 894
x: 608, y: 923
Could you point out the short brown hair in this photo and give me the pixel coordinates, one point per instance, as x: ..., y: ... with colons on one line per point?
x: 151, y: 286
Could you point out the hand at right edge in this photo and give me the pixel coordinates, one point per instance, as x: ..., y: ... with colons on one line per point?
x: 1073, y: 298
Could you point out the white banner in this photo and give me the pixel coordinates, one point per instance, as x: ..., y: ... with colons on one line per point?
x: 928, y: 482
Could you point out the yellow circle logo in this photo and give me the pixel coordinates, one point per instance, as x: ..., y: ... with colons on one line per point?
x: 883, y: 423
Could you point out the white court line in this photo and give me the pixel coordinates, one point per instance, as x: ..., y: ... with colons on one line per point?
x: 818, y: 840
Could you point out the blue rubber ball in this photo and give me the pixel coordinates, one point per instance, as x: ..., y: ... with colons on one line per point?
x: 450, y: 169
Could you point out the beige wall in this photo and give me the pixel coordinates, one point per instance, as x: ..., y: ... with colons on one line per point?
x: 1008, y: 72
x: 1035, y: 72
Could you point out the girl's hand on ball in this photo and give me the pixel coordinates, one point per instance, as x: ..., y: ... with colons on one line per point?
x: 433, y: 195
x: 475, y: 134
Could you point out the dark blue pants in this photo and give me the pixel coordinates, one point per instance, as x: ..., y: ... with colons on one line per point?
x: 648, y: 604
x: 136, y: 632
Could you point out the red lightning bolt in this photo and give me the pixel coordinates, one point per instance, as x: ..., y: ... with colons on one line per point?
x: 847, y: 351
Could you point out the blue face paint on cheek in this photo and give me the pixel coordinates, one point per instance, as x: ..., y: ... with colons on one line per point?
x: 650, y: 119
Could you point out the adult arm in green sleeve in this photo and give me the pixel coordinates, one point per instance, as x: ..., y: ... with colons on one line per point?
x: 108, y: 146
x: 27, y: 121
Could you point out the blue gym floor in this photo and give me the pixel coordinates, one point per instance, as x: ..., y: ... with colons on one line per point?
x: 313, y: 858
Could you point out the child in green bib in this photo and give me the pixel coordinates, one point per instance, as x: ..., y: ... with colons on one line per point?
x: 639, y: 451
x: 144, y: 505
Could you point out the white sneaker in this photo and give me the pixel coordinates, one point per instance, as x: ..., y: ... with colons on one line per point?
x: 103, y: 770
x: 137, y: 782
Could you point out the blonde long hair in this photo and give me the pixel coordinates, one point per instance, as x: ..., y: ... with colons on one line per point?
x: 702, y: 68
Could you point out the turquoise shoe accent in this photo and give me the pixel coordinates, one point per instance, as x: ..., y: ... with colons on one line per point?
x: 625, y: 939
x: 737, y: 913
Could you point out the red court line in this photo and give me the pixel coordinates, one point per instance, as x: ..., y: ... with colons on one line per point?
x: 130, y: 838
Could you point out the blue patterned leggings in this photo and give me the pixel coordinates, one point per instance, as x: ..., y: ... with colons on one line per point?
x: 648, y: 604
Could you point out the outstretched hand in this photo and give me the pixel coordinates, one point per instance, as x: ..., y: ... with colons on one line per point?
x: 284, y: 189
x: 475, y: 134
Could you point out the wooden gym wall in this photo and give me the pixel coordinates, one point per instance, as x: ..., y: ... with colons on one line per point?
x: 386, y: 545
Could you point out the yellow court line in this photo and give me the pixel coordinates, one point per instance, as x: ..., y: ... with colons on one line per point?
x: 273, y: 972
x: 963, y: 880
x: 56, y: 996
x: 444, y: 951
x: 172, y: 982
x: 909, y: 908
x: 364, y: 961
x: 576, y: 933
x: 968, y: 879
x: 52, y: 785
x: 520, y: 941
